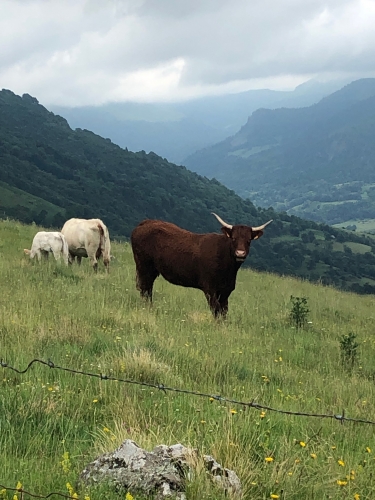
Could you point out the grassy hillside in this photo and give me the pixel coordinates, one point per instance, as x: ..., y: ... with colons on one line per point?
x: 315, y: 162
x: 49, y: 173
x: 98, y: 323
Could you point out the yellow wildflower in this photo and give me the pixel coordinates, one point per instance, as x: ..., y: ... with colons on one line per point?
x: 95, y: 400
x: 3, y: 492
x: 302, y: 443
x: 297, y: 461
x: 313, y: 455
x: 341, y: 463
x: 368, y: 449
x: 19, y: 486
x: 342, y: 483
x: 129, y: 496
x: 233, y: 412
x: 273, y: 495
x: 356, y: 496
x: 69, y: 487
x: 263, y: 414
x: 269, y: 459
x: 290, y: 473
x: 203, y: 421
x: 333, y: 447
x: 105, y: 429
x: 65, y: 462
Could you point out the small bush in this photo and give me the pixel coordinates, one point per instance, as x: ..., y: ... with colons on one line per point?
x: 300, y: 310
x: 349, y: 350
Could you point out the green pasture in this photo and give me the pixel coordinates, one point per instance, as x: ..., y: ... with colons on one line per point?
x: 363, y: 225
x: 52, y: 423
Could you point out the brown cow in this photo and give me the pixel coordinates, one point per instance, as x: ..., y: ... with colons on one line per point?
x: 208, y: 262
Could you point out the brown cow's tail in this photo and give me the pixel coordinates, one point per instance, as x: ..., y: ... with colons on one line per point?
x: 104, y: 245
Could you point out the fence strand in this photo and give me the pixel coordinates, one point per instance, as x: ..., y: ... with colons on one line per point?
x: 250, y: 404
x: 34, y: 495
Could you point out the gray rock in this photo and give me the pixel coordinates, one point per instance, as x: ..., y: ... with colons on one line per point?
x: 161, y: 472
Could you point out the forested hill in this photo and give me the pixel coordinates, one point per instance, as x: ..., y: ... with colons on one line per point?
x: 49, y: 173
x: 315, y: 162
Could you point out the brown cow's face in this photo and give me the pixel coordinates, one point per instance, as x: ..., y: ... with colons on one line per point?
x: 241, y: 237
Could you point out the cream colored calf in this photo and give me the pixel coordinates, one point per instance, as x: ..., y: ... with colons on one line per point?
x: 46, y: 242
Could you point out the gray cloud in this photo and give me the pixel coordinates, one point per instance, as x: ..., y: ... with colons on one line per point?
x: 89, y: 51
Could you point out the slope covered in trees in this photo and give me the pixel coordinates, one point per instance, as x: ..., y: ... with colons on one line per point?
x: 315, y: 162
x: 50, y: 172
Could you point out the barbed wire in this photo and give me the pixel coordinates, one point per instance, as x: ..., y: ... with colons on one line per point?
x: 250, y: 404
x: 34, y: 495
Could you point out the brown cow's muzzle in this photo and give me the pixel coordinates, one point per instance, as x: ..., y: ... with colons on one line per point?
x: 240, y: 255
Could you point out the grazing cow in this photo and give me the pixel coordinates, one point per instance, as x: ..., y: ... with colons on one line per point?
x: 45, y: 243
x: 88, y: 238
x: 208, y: 262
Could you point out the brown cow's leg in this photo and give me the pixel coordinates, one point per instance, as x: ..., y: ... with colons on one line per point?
x: 218, y: 304
x: 224, y: 307
x: 213, y: 303
x: 145, y: 278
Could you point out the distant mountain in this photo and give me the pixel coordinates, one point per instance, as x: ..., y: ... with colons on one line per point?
x: 176, y: 130
x: 49, y: 173
x: 316, y: 162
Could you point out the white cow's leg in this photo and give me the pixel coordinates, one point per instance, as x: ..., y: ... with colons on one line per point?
x: 93, y: 260
x: 57, y: 255
x: 44, y: 254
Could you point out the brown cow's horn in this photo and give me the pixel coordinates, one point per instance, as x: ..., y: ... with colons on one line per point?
x: 224, y: 224
x: 260, y: 228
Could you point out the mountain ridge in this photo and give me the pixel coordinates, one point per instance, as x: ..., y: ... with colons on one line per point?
x: 298, y: 150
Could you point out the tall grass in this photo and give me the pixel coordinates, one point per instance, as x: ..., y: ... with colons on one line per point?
x: 52, y: 423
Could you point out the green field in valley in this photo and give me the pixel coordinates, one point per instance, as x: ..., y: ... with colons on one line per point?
x: 52, y: 423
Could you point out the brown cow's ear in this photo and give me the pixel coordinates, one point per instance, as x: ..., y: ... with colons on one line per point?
x: 256, y: 234
x: 226, y: 231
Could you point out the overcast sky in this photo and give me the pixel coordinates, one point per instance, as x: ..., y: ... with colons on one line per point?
x: 88, y: 52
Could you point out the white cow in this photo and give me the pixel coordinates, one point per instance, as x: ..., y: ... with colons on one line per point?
x: 46, y: 242
x: 88, y: 238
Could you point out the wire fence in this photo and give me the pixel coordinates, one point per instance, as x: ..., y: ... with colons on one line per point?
x: 23, y: 492
x: 250, y: 404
